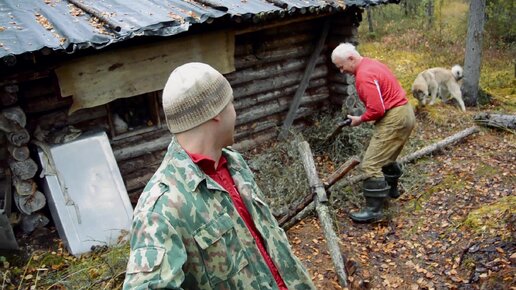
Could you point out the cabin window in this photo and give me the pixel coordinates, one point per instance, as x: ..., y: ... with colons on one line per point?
x: 134, y: 115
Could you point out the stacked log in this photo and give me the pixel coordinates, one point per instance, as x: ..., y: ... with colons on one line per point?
x: 342, y: 89
x: 23, y: 168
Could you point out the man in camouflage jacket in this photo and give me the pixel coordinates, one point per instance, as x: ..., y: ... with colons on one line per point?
x: 187, y: 232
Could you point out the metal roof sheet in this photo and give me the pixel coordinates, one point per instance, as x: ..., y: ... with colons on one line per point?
x: 68, y: 25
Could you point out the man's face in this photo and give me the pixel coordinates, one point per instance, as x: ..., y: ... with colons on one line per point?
x: 344, y: 65
x: 227, y: 125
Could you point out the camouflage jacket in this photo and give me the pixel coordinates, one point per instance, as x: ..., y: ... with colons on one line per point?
x: 187, y: 234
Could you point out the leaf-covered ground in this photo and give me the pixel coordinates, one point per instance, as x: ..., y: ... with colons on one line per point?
x: 455, y: 225
x: 453, y: 228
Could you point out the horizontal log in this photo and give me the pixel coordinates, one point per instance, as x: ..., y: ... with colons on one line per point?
x: 61, y: 118
x: 274, y: 121
x: 276, y: 106
x: 254, y: 100
x: 142, y: 148
x: 250, y: 46
x: 500, y: 121
x: 273, y: 56
x: 25, y: 76
x: 46, y: 103
x: 138, y: 180
x: 257, y: 140
x: 249, y: 130
x: 266, y: 85
x: 340, y: 78
x: 269, y: 70
x: 345, y: 90
x: 18, y: 153
x: 38, y: 88
x: 140, y: 138
x: 142, y: 162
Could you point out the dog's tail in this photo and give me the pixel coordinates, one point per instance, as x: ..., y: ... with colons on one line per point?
x: 457, y: 72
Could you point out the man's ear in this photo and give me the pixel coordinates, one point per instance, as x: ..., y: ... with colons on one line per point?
x: 216, y: 118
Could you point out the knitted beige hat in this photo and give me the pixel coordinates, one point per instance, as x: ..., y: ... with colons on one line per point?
x: 195, y: 93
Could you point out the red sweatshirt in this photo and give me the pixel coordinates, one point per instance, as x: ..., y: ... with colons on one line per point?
x: 222, y: 176
x: 378, y: 89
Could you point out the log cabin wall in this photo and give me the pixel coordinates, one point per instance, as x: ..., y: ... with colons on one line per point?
x: 269, y: 66
x: 341, y: 86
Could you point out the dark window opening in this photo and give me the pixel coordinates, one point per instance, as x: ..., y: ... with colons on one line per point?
x: 134, y: 115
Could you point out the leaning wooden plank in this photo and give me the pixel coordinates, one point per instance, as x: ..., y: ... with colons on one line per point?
x: 323, y: 212
x: 406, y: 159
x: 304, y: 81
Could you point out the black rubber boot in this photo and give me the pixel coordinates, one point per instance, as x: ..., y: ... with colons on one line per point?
x: 392, y: 173
x: 376, y: 191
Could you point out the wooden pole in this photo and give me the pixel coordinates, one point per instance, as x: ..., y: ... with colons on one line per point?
x: 323, y: 212
x: 304, y: 81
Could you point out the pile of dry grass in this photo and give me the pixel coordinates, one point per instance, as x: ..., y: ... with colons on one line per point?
x: 279, y: 170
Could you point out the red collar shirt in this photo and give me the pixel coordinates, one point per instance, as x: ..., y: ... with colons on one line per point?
x: 222, y: 176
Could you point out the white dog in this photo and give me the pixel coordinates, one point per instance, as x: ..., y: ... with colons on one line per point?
x: 440, y: 82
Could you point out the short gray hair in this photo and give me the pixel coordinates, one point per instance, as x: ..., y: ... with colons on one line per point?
x: 343, y: 51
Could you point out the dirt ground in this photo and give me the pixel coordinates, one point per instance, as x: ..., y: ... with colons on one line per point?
x: 453, y: 228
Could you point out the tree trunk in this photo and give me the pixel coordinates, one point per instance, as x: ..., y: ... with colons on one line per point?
x: 430, y: 13
x: 370, y: 19
x: 323, y: 212
x: 473, y: 58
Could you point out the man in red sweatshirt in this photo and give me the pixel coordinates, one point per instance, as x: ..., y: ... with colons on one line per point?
x: 386, y: 104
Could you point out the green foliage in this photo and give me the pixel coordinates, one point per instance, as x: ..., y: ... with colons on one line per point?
x: 493, y: 217
x: 499, y: 25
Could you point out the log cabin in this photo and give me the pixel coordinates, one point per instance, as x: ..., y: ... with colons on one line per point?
x: 68, y: 67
